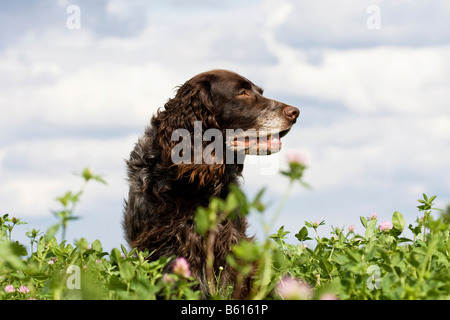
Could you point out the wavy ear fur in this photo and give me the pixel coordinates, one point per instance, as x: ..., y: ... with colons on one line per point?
x: 192, y: 102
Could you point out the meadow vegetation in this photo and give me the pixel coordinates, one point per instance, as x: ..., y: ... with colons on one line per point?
x: 381, y: 263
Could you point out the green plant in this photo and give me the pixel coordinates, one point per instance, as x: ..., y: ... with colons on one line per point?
x: 381, y: 263
x: 58, y: 270
x: 69, y: 202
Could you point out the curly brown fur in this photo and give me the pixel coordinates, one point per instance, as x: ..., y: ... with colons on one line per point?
x: 163, y: 195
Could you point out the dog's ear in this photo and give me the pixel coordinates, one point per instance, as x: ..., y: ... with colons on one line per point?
x: 197, y: 104
x: 181, y: 129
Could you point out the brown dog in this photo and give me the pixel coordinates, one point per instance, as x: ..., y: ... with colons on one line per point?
x: 170, y: 177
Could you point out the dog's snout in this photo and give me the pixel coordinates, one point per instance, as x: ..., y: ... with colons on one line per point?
x: 291, y: 112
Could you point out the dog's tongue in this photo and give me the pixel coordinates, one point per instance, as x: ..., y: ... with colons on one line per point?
x: 260, y: 145
x: 274, y: 144
x: 275, y: 140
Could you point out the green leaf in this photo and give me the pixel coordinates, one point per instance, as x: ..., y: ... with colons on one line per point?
x: 370, y: 228
x: 115, y: 255
x: 11, y: 253
x: 257, y: 203
x: 64, y: 200
x: 88, y: 175
x: 353, y: 255
x: 302, y: 235
x: 202, y: 221
x: 18, y: 249
x: 231, y: 202
x: 99, y: 179
x: 340, y: 258
x: 82, y: 244
x: 341, y: 238
x: 235, y: 201
x: 326, y: 266
x: 398, y: 221
x: 281, y: 234
x: 126, y: 270
x: 247, y: 251
x: 363, y: 221
x: 386, y: 267
x: 306, y: 185
x: 124, y: 250
x: 68, y: 218
x: 97, y: 245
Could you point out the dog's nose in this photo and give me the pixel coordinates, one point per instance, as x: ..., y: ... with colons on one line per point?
x: 291, y: 112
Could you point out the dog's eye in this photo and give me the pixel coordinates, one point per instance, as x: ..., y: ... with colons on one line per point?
x: 243, y: 93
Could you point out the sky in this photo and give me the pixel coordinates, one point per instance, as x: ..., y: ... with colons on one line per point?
x: 80, y: 80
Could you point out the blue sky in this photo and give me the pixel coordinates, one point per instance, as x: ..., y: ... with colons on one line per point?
x: 375, y: 103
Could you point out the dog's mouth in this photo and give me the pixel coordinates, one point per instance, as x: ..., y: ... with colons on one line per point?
x: 261, y: 142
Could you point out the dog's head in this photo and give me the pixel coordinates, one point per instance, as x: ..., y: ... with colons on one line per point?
x: 220, y: 111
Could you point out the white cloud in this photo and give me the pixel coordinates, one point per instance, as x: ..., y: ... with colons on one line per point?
x: 368, y: 81
x: 29, y: 196
x: 34, y: 173
x: 343, y: 24
x: 393, y: 123
x: 106, y: 94
x: 277, y: 12
x: 372, y: 153
x: 378, y: 151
